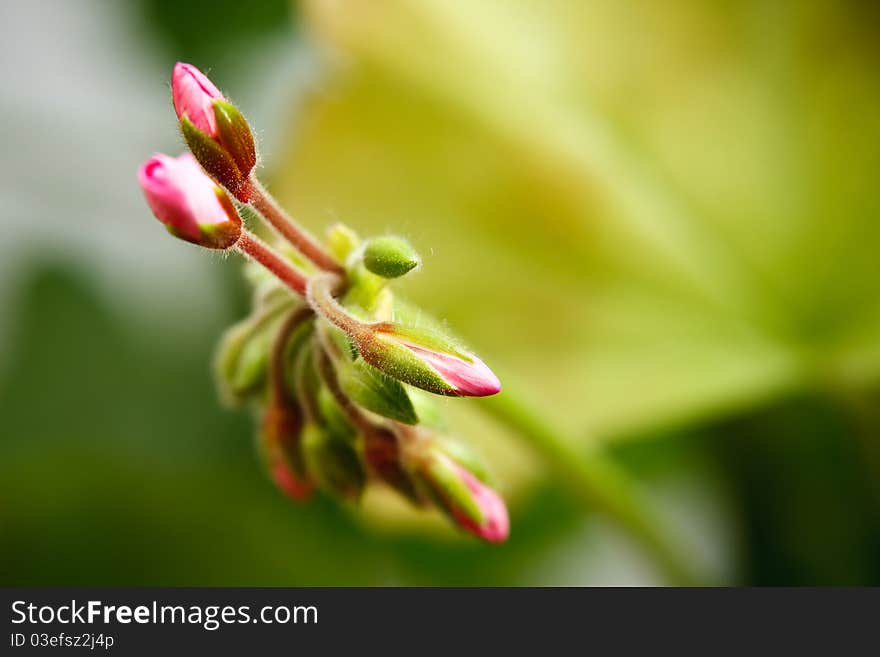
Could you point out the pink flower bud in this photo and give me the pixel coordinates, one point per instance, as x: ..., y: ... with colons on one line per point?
x: 426, y: 360
x: 470, y: 378
x: 193, y: 94
x: 188, y: 202
x: 495, y: 526
x: 474, y: 506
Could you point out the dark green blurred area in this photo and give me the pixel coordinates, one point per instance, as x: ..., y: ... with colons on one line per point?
x: 753, y: 420
x: 119, y: 467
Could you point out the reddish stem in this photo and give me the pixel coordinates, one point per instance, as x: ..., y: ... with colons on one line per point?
x: 321, y: 292
x: 258, y: 251
x: 298, y: 236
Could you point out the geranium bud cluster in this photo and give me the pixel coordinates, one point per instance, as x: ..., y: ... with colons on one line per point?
x: 337, y: 365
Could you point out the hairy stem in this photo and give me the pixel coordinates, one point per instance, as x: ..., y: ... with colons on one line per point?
x: 320, y: 294
x: 598, y: 483
x: 260, y: 252
x: 298, y: 236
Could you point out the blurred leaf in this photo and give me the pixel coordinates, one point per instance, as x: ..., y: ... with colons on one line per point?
x: 647, y: 213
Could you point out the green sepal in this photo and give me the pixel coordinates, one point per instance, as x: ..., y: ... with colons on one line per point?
x: 333, y: 463
x: 425, y: 337
x: 390, y: 256
x: 364, y: 384
x: 398, y: 362
x: 235, y: 135
x: 449, y: 489
x: 214, y: 159
x: 375, y: 391
x: 332, y: 416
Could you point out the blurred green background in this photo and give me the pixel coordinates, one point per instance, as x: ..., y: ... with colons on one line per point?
x: 659, y: 222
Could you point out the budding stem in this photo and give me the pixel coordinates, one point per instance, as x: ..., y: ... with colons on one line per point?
x: 260, y: 252
x: 298, y: 236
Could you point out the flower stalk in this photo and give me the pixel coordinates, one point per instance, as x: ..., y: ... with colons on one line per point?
x: 295, y: 234
x: 257, y: 250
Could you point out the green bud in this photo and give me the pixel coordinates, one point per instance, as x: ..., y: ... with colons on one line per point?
x: 242, y: 356
x: 390, y: 256
x: 333, y: 463
x: 235, y: 135
x: 281, y: 448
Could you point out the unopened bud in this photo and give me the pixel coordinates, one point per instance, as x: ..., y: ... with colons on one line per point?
x: 426, y: 360
x: 215, y: 131
x: 390, y: 256
x: 190, y: 205
x: 475, y: 507
x: 242, y: 356
x: 281, y: 441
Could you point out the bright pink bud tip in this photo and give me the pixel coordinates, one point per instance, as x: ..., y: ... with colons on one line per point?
x: 188, y: 202
x: 470, y: 379
x: 496, y: 525
x: 193, y: 94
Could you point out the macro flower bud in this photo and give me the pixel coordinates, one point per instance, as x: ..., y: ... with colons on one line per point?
x: 190, y: 205
x: 390, y: 256
x: 425, y: 360
x: 215, y: 131
x: 422, y: 357
x: 474, y: 506
x: 193, y: 95
x: 281, y: 443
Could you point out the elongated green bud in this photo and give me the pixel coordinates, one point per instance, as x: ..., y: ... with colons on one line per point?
x: 281, y: 446
x: 241, y: 360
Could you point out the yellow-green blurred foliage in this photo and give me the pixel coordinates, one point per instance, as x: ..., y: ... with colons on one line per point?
x: 644, y: 212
